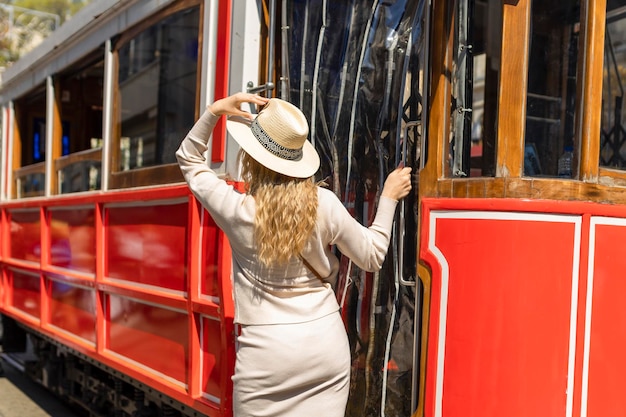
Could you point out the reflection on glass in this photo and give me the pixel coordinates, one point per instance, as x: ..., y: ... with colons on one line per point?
x: 80, y: 176
x: 551, y: 94
x: 73, y: 309
x: 80, y: 103
x: 157, y: 89
x: 474, y: 88
x: 363, y: 97
x: 30, y: 116
x: 31, y: 185
x: 147, y: 245
x: 613, y: 135
x: 25, y: 235
x: 26, y: 293
x: 73, y: 239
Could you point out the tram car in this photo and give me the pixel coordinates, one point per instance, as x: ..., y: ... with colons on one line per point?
x: 501, y: 291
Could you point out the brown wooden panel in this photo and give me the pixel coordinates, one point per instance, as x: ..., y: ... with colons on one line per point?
x: 589, y: 111
x: 86, y: 155
x: 57, y: 137
x: 476, y: 188
x: 17, y: 153
x: 518, y: 189
x: 162, y: 174
x: 444, y: 188
x: 513, y: 81
x: 439, y: 121
x: 612, y: 177
x: 459, y: 189
x: 612, y: 190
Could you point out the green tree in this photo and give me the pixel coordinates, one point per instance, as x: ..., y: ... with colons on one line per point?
x: 62, y: 8
x: 29, y: 22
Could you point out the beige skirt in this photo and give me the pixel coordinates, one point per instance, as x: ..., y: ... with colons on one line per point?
x: 297, y: 370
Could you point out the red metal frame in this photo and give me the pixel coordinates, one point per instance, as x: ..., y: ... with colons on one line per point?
x: 142, y: 302
x: 218, y: 150
x: 526, y: 307
x: 7, y: 157
x: 151, y: 314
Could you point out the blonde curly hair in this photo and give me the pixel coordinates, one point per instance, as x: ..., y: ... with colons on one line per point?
x: 286, y: 211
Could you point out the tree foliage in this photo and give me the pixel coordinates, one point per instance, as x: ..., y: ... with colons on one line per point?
x: 29, y: 22
x: 62, y: 8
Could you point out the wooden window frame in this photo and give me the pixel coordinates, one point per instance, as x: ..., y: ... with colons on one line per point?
x: 59, y: 161
x: 19, y: 136
x: 589, y: 89
x: 158, y: 174
x: 593, y: 182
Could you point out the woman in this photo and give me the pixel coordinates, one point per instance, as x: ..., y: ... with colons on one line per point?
x: 293, y: 357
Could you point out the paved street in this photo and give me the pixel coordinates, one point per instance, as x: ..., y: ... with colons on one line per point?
x: 21, y: 397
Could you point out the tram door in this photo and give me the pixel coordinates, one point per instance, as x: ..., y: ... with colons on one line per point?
x: 356, y: 69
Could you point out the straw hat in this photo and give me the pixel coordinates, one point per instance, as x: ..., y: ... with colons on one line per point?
x: 277, y: 139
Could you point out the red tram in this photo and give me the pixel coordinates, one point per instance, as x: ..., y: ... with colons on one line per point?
x: 500, y: 294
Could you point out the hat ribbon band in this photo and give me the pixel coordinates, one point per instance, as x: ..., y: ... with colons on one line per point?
x: 273, y: 147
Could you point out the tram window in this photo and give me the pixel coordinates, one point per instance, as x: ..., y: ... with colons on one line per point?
x: 613, y: 134
x: 30, y: 143
x: 39, y: 139
x: 157, y: 73
x: 475, y: 87
x: 80, y: 100
x: 551, y: 93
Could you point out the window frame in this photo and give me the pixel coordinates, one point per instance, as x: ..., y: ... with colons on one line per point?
x: 59, y: 160
x: 21, y: 136
x: 590, y: 182
x: 157, y: 174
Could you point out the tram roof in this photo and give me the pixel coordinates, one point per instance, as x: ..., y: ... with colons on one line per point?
x: 83, y: 33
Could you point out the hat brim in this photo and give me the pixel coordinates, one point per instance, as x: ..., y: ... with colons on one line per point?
x: 305, y: 167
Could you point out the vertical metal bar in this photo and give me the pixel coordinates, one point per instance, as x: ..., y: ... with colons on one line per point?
x: 459, y: 86
x: 5, y: 152
x: 303, y: 53
x: 417, y: 315
x: 107, y: 119
x: 425, y: 83
x: 270, y: 49
x: 3, y: 141
x: 101, y: 307
x: 9, y: 148
x: 50, y: 103
x: 284, y: 31
x: 194, y: 275
x: 209, y: 53
x: 320, y: 42
x: 355, y: 94
x: 224, y: 42
x: 44, y: 288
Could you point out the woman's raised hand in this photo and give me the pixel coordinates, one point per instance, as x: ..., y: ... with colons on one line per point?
x: 398, y: 183
x: 231, y: 105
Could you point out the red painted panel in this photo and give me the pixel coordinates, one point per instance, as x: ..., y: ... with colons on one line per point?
x: 26, y: 293
x: 607, y: 362
x: 73, y: 309
x: 25, y: 236
x: 2, y: 289
x: 211, y: 359
x: 147, y: 245
x: 73, y: 239
x: 152, y: 336
x: 210, y: 244
x: 508, y: 315
x: 218, y: 147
